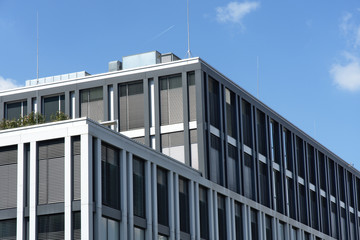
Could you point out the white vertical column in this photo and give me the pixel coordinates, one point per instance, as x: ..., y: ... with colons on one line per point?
x: 232, y: 212
x: 177, y: 208
x: 197, y: 212
x: 86, y: 187
x: 20, y: 192
x: 130, y: 197
x: 192, y: 211
x: 98, y: 190
x: 152, y: 103
x: 72, y: 102
x: 111, y: 105
x: 211, y: 214
x: 123, y: 195
x: 216, y: 217
x: 171, y: 205
x: 154, y: 201
x: 228, y: 218
x: 67, y: 189
x: 33, y: 190
x: 148, y: 202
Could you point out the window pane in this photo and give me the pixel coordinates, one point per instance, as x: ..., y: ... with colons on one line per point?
x: 139, y: 187
x: 173, y: 145
x: 51, y: 106
x: 246, y: 123
x: 254, y: 225
x: 215, y: 158
x: 162, y: 197
x: 222, y: 217
x: 233, y: 168
x: 230, y: 113
x: 76, y: 226
x: 204, y: 212
x: 8, y: 177
x: 184, y: 205
x: 192, y: 96
x: 214, y: 102
x: 268, y: 225
x: 171, y: 99
x: 8, y: 229
x: 249, y: 176
x: 92, y: 103
x: 51, y: 227
x: 261, y: 132
x: 238, y: 221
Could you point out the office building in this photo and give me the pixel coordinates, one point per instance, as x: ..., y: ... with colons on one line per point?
x: 164, y: 148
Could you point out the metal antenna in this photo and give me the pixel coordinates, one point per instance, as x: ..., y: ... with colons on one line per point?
x: 257, y: 70
x: 188, y: 53
x: 37, y: 48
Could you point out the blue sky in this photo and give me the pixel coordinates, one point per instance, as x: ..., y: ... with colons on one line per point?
x: 308, y: 51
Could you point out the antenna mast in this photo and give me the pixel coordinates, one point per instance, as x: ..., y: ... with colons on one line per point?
x: 37, y: 47
x: 188, y: 53
x: 257, y: 74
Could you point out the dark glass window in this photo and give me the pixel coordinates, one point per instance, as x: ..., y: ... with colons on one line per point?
x: 261, y: 131
x: 334, y: 221
x: 215, y: 158
x: 275, y: 141
x: 358, y: 193
x: 279, y: 196
x: 341, y: 184
x: 238, y: 222
x: 131, y: 106
x: 246, y: 123
x: 8, y: 229
x: 222, y: 217
x: 332, y: 178
x: 139, y: 187
x: 291, y: 197
x: 15, y: 110
x: 184, y: 205
x: 162, y: 197
x: 264, y: 185
x: 204, y: 213
x: 322, y: 170
x: 51, y: 227
x: 303, y: 209
x: 192, y: 96
x: 314, y: 210
x: 171, y: 99
x: 325, y: 215
x: 8, y: 177
x: 76, y: 160
x: 350, y: 189
x: 249, y: 177
x: 343, y: 225
x: 312, y: 164
x: 287, y: 145
x: 51, y: 171
x: 352, y: 226
x: 230, y: 113
x: 268, y: 227
x: 110, y: 174
x: 27, y: 173
x: 214, y: 102
x: 91, y: 103
x: 254, y: 225
x: 300, y: 157
x: 194, y: 149
x: 232, y: 168
x: 52, y: 105
x: 172, y: 144
x: 76, y: 226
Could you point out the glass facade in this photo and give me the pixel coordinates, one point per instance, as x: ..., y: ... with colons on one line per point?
x: 162, y: 197
x: 51, y: 227
x: 92, y: 104
x: 8, y: 177
x: 53, y: 105
x: 184, y: 205
x: 14, y: 111
x: 139, y: 187
x: 171, y: 99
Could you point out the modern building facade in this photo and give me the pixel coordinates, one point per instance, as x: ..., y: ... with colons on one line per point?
x: 164, y: 148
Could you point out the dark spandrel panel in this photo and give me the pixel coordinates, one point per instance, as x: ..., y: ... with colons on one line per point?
x: 8, y: 229
x: 8, y: 155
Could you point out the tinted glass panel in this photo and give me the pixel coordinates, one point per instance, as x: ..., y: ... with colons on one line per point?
x: 162, y: 197
x: 184, y: 205
x: 214, y: 102
x: 139, y: 187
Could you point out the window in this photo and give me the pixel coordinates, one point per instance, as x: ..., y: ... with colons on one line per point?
x: 287, y: 146
x: 230, y: 113
x: 51, y: 227
x: 192, y: 96
x: 261, y: 132
x: 343, y: 224
x: 139, y: 233
x: 275, y: 141
x: 312, y: 164
x: 332, y: 178
x: 232, y: 168
x: 291, y: 197
x: 14, y: 111
x: 303, y: 208
x: 184, y: 205
x: 334, y: 221
x: 300, y: 157
x: 352, y: 226
x: 341, y: 183
x: 294, y: 233
x: 110, y: 174
x: 322, y: 171
x: 246, y: 123
x: 51, y: 171
x: 52, y: 105
x: 91, y: 103
x: 110, y: 229
x: 215, y: 158
x: 162, y: 197
x: 8, y: 229
x: 254, y: 225
x: 282, y: 230
x: 238, y: 222
x: 76, y: 160
x: 264, y: 184
x: 249, y: 177
x: 325, y: 215
x: 173, y: 145
x: 204, y: 213
x: 171, y: 99
x: 8, y: 177
x: 314, y: 210
x: 131, y: 106
x: 214, y: 102
x: 278, y: 192
x: 222, y: 217
x: 268, y: 227
x: 76, y: 225
x: 139, y: 187
x: 194, y: 149
x: 350, y: 189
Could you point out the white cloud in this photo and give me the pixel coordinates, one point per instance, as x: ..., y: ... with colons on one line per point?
x: 234, y: 12
x: 351, y: 29
x: 7, y: 83
x: 347, y: 76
